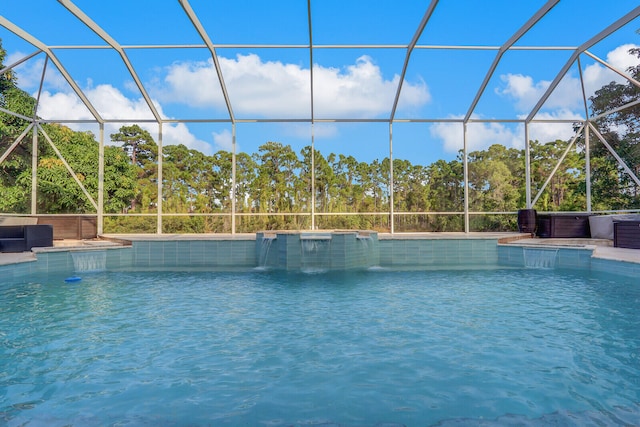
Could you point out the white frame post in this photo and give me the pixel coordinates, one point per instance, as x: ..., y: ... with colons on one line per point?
x: 100, y: 213
x: 159, y: 198
x: 34, y: 170
x: 232, y: 191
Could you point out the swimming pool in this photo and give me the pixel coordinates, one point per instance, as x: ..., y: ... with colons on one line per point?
x: 476, y: 347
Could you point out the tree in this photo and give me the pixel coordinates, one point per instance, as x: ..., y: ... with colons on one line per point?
x: 15, y: 170
x: 119, y: 180
x: 324, y: 180
x: 565, y: 190
x: 496, y: 184
x: 446, y: 194
x: 611, y: 186
x: 277, y: 182
x: 187, y: 177
x: 138, y: 144
x: 143, y: 152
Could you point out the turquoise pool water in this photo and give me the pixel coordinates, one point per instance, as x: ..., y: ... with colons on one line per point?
x: 490, y: 347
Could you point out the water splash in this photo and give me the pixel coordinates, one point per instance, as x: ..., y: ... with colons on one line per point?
x: 315, y: 254
x: 540, y: 258
x: 89, y: 261
x: 316, y: 251
x: 367, y: 250
x: 263, y: 252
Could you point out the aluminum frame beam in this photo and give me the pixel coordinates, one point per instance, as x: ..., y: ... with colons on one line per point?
x: 44, y: 48
x: 509, y: 45
x: 93, y: 26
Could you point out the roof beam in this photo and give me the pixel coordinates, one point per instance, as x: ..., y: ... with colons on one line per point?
x: 614, y: 69
x: 205, y: 37
x: 43, y: 47
x: 18, y: 62
x: 504, y: 48
x: 601, y: 35
x: 310, y: 58
x: 410, y: 47
x: 75, y: 10
x: 16, y: 142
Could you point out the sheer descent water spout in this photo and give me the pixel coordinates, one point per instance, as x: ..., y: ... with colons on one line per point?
x: 540, y: 258
x: 317, y: 251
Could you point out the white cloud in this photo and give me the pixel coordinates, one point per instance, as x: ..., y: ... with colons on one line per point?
x: 256, y: 88
x: 450, y: 134
x: 525, y: 92
x: 30, y: 72
x: 275, y: 89
x: 107, y: 100
x: 266, y: 88
x: 62, y: 105
x: 620, y: 57
x: 224, y: 141
x: 325, y: 130
x: 321, y: 130
x: 179, y: 133
x: 596, y: 75
x: 111, y: 103
x: 362, y: 91
x: 479, y: 135
x: 192, y: 83
x: 546, y: 132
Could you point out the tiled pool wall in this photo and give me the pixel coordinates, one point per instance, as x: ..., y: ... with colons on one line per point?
x: 394, y: 253
x: 348, y: 250
x: 610, y: 267
x: 438, y: 253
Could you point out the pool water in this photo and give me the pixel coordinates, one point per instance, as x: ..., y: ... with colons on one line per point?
x: 488, y: 347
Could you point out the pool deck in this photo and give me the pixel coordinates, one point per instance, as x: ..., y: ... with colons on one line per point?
x: 602, y: 248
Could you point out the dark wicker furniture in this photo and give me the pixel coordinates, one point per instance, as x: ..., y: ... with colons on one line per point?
x: 563, y: 225
x: 21, y: 238
x: 626, y: 234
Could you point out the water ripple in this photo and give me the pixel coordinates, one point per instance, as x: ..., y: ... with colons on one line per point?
x: 447, y: 348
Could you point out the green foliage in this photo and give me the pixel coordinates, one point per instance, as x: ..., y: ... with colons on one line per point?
x: 274, y: 190
x: 564, y: 191
x: 130, y: 224
x: 15, y: 171
x: 119, y: 180
x: 138, y: 144
x: 277, y: 184
x: 612, y: 187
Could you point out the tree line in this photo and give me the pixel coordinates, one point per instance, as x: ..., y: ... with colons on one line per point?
x: 273, y: 187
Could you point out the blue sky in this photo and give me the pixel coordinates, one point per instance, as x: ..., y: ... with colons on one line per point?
x: 349, y: 83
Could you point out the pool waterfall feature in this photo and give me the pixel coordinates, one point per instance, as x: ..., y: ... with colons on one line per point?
x: 89, y: 261
x: 317, y: 251
x: 544, y: 258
